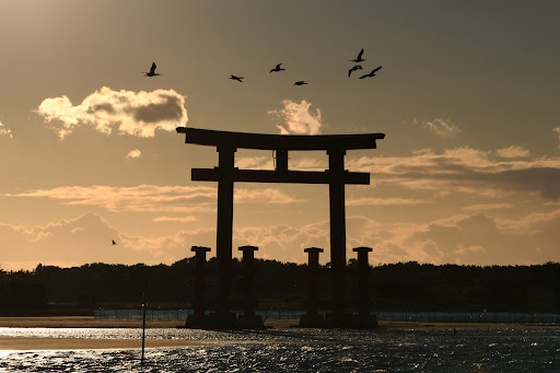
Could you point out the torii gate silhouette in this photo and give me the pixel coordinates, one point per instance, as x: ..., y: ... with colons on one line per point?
x: 226, y: 174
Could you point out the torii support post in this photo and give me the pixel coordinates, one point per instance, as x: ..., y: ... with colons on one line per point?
x: 197, y: 320
x: 249, y: 319
x: 364, y: 319
x: 248, y: 265
x: 363, y: 279
x: 199, y: 302
x: 312, y: 318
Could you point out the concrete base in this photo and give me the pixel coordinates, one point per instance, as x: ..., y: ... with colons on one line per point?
x: 212, y: 321
x: 250, y: 322
x: 224, y: 321
x: 196, y: 321
x: 349, y: 321
x: 312, y: 321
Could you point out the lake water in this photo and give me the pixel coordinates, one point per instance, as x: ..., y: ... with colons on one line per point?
x: 302, y: 350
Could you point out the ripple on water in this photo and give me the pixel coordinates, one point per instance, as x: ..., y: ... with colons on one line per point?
x: 298, y: 351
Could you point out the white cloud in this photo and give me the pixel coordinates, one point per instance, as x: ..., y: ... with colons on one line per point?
x: 298, y: 119
x: 135, y: 153
x: 153, y: 198
x: 254, y: 163
x: 67, y: 242
x: 127, y: 112
x: 488, y: 206
x: 557, y: 132
x: 142, y: 198
x: 176, y: 219
x: 513, y: 151
x: 466, y: 170
x: 438, y: 126
x: 87, y: 239
x: 267, y: 195
x: 371, y: 201
x: 463, y: 239
x: 4, y: 131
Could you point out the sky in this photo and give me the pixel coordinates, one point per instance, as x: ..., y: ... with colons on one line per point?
x: 467, y: 97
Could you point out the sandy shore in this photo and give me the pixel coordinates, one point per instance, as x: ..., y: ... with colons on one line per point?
x: 31, y: 343
x: 37, y: 343
x: 91, y: 322
x: 82, y: 322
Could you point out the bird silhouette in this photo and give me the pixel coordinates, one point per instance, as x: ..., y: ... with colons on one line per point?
x: 277, y: 68
x: 238, y: 78
x: 370, y: 74
x: 359, y: 58
x: 113, y: 242
x: 300, y: 82
x: 354, y: 68
x: 152, y: 71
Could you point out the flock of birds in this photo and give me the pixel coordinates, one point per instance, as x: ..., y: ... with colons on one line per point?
x: 359, y: 58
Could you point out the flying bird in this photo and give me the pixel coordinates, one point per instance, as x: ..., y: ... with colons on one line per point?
x: 113, y: 242
x: 370, y: 74
x: 300, y: 82
x: 277, y: 68
x: 359, y: 58
x: 354, y: 68
x: 238, y: 78
x: 152, y: 71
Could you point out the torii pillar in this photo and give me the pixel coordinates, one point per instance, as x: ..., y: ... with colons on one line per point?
x: 224, y: 230
x: 337, y: 209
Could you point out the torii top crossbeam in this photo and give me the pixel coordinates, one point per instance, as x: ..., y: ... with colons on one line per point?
x: 279, y: 142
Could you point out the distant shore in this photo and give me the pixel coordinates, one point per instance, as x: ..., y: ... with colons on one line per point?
x: 37, y: 343
x: 92, y: 322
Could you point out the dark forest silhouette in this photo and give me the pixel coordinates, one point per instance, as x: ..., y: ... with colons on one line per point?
x: 393, y: 287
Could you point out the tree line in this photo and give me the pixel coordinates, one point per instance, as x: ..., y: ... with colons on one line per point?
x: 392, y: 287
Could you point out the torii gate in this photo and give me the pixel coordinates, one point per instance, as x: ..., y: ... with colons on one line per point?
x: 226, y: 174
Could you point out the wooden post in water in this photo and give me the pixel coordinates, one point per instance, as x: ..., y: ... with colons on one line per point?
x: 144, y: 306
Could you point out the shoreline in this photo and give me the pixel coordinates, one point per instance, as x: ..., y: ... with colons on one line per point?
x: 92, y: 322
x: 22, y: 343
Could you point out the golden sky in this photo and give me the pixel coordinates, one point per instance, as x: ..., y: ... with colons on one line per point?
x: 469, y: 171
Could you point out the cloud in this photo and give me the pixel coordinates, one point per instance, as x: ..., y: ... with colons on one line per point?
x: 126, y: 112
x: 142, y: 198
x: 438, y: 126
x: 135, y: 153
x: 557, y: 132
x: 488, y: 206
x: 267, y: 195
x: 87, y: 239
x: 67, y: 242
x: 176, y: 219
x: 370, y: 201
x: 4, y: 131
x: 298, y: 119
x: 284, y: 242
x: 153, y: 198
x: 513, y: 151
x: 466, y: 170
x: 254, y: 163
x: 476, y: 239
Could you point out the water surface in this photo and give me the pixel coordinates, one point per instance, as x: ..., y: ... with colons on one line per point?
x: 301, y: 350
